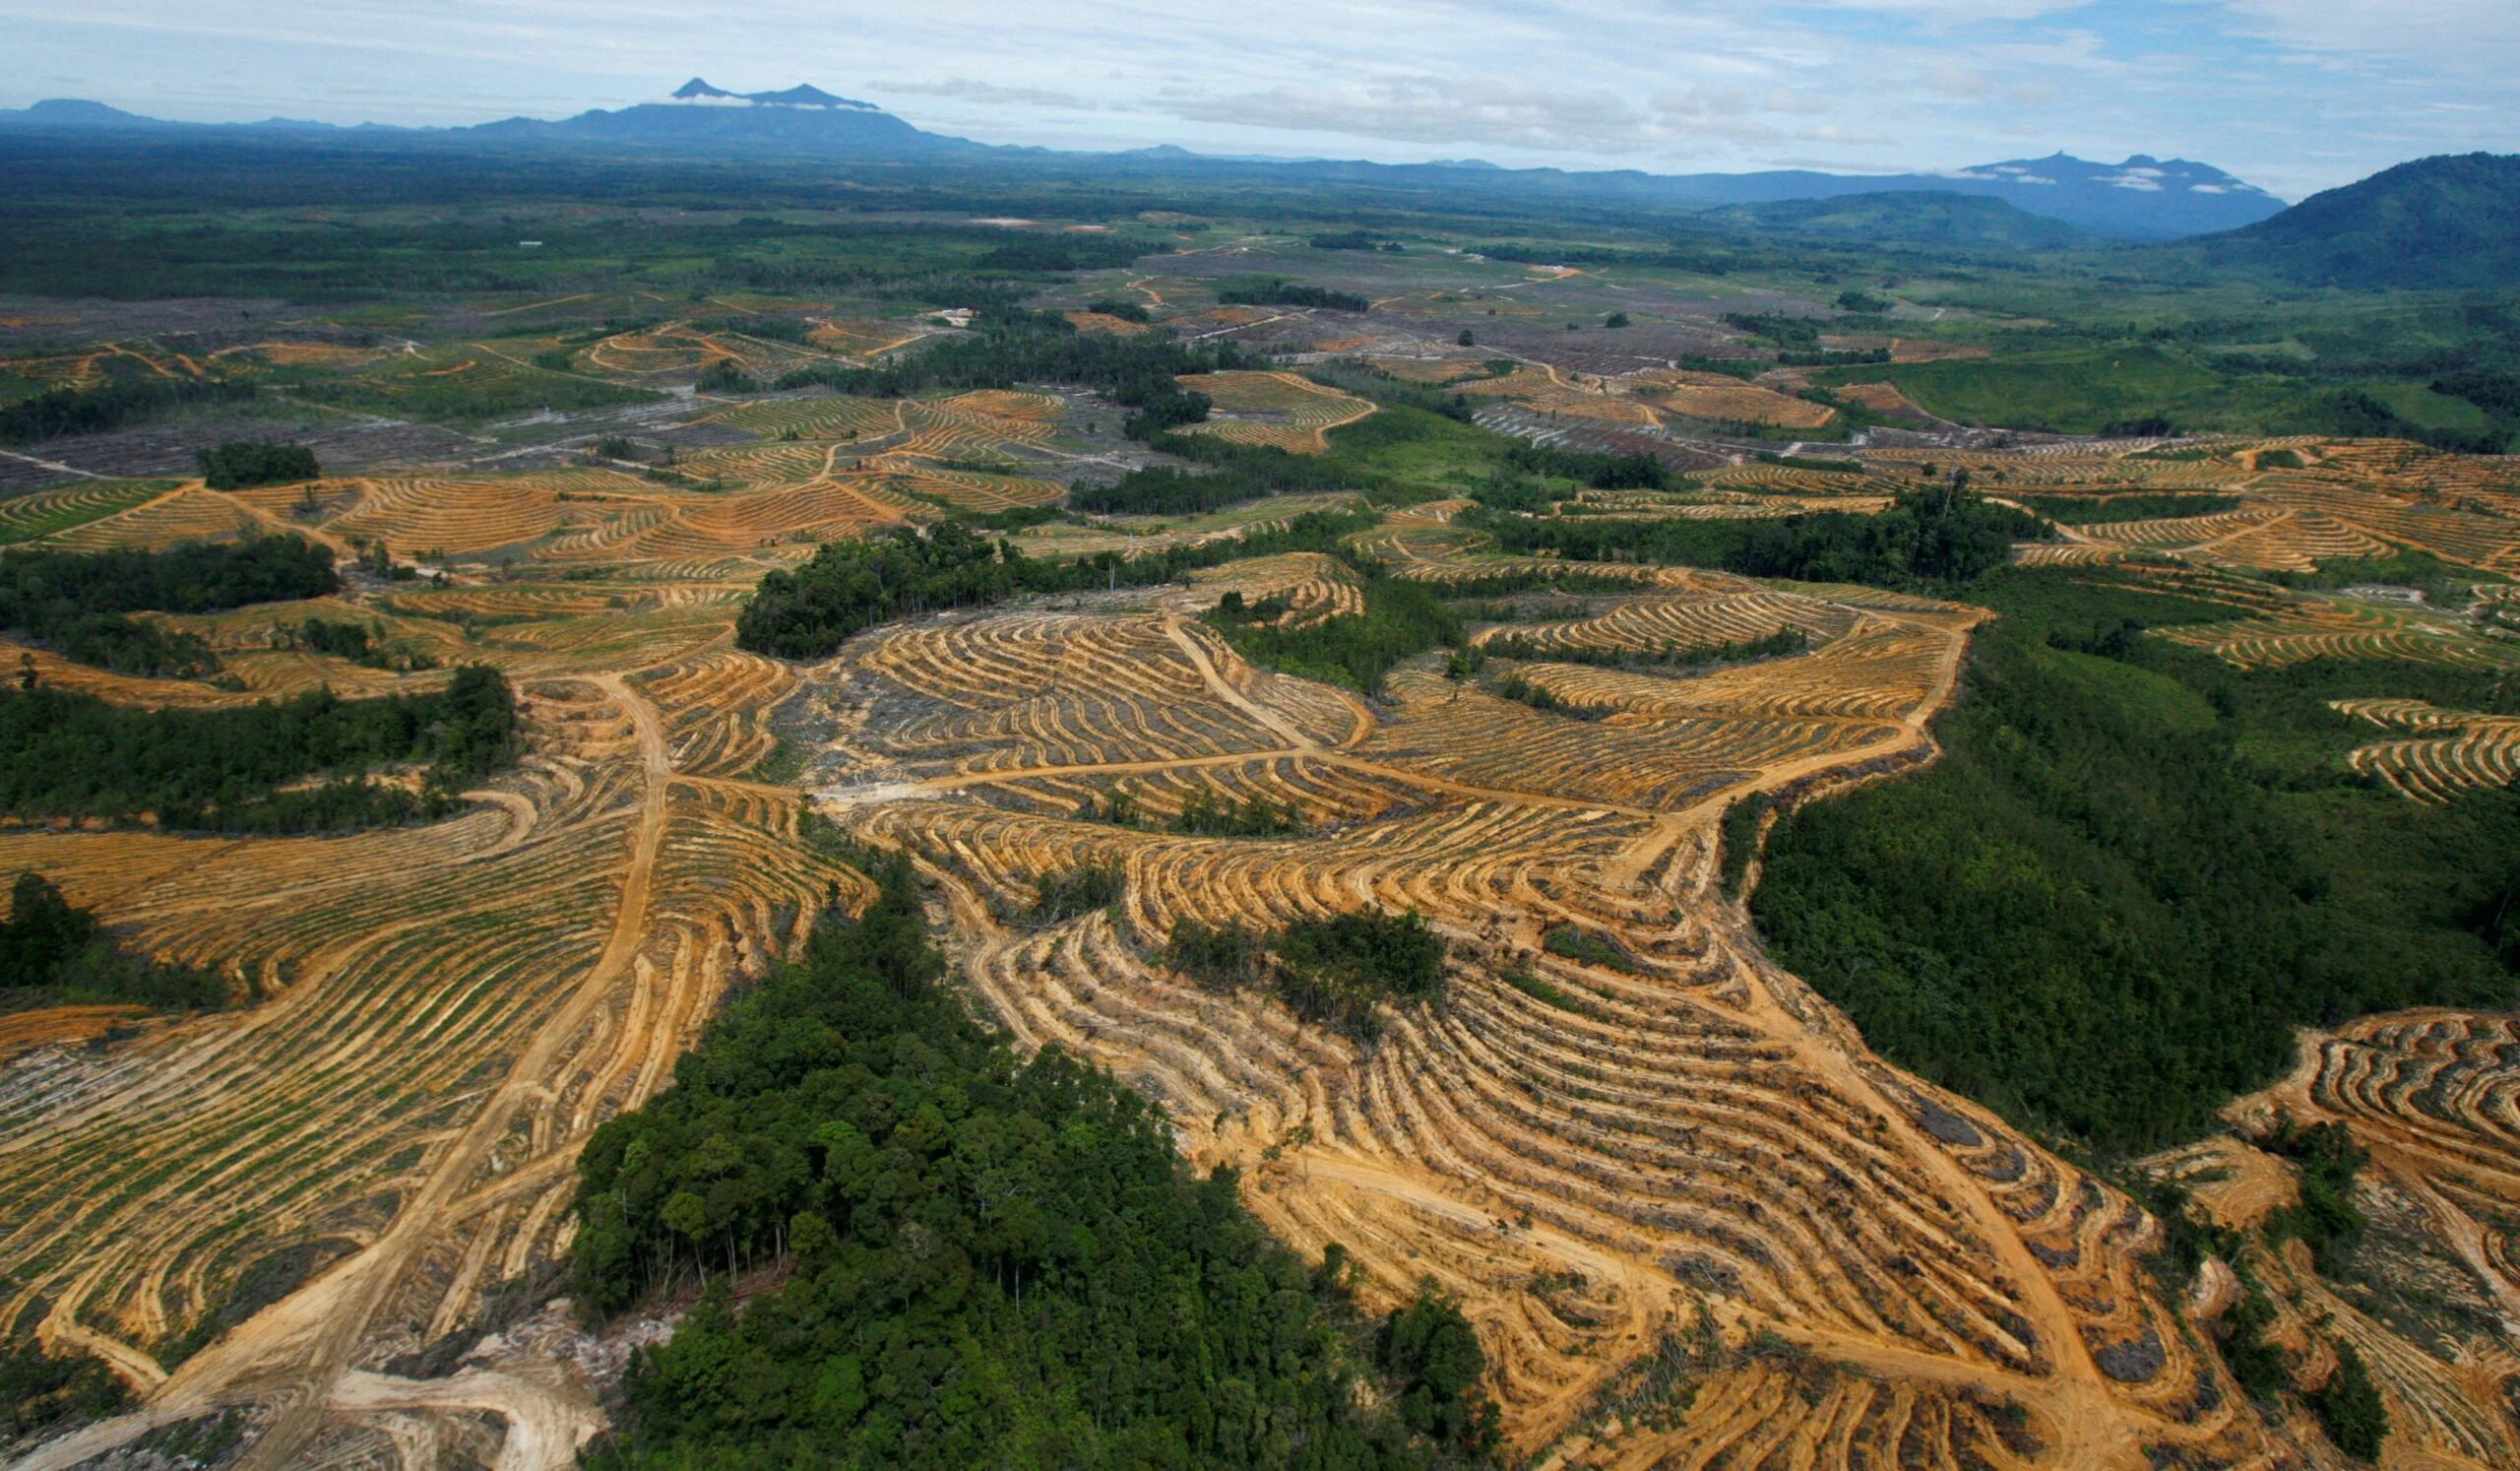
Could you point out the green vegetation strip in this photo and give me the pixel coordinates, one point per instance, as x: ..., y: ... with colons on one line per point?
x: 64, y: 754
x: 851, y: 586
x: 2078, y: 510
x: 75, y: 601
x: 1932, y: 537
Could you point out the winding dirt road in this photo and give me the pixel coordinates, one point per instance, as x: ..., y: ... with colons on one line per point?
x: 297, y: 1353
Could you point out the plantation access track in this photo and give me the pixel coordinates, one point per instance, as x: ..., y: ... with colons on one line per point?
x: 1656, y: 1129
x: 1693, y: 1218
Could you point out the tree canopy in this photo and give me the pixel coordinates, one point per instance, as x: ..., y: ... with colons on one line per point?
x: 67, y: 755
x: 75, y: 601
x: 52, y: 954
x: 853, y: 586
x: 240, y: 464
x: 2133, y: 873
x: 996, y: 1261
x: 1009, y: 346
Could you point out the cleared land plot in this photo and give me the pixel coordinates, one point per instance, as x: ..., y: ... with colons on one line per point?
x: 1276, y: 410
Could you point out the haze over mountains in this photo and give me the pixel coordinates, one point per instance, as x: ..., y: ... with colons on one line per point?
x: 2140, y: 199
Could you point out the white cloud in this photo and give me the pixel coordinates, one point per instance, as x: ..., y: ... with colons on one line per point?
x: 971, y: 90
x: 1958, y: 12
x: 2452, y: 35
x: 1959, y: 82
x: 1435, y: 110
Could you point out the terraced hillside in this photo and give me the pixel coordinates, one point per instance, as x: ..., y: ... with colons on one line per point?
x: 263, y: 1210
x: 1652, y: 1164
x: 1695, y: 1219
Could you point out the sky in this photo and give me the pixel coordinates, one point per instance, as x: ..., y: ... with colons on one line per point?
x: 2293, y: 95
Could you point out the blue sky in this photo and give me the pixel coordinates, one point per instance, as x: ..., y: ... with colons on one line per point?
x: 2295, y: 96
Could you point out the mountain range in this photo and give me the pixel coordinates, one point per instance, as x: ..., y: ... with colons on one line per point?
x: 2140, y: 199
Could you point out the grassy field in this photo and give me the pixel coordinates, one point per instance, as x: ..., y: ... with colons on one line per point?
x: 2419, y: 405
x: 2079, y: 391
x: 31, y: 517
x: 465, y: 384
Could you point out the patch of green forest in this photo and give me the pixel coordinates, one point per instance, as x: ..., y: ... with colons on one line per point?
x: 2136, y: 869
x: 1936, y: 535
x: 110, y: 406
x: 1237, y: 474
x: 1335, y: 971
x: 1669, y: 657
x: 851, y: 586
x: 55, y: 954
x: 2083, y: 510
x: 66, y: 755
x: 241, y: 465
x: 993, y: 1260
x: 1277, y: 291
x: 1400, y: 619
x: 1008, y: 346
x: 75, y: 601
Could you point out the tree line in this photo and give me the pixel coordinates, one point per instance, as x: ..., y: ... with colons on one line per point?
x: 75, y: 601
x: 989, y: 1261
x: 241, y: 465
x: 70, y: 755
x: 1277, y: 291
x: 1932, y: 537
x: 1008, y: 346
x: 59, y: 412
x: 1671, y: 654
x: 1234, y: 473
x: 849, y: 587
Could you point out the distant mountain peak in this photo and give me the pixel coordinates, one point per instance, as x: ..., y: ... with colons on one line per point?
x: 811, y: 97
x: 78, y: 112
x: 698, y: 93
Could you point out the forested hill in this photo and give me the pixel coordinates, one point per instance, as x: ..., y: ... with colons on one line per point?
x: 2450, y: 222
x: 1922, y: 217
x: 995, y: 1262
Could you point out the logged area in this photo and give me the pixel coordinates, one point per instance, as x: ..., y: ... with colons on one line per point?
x: 1019, y: 829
